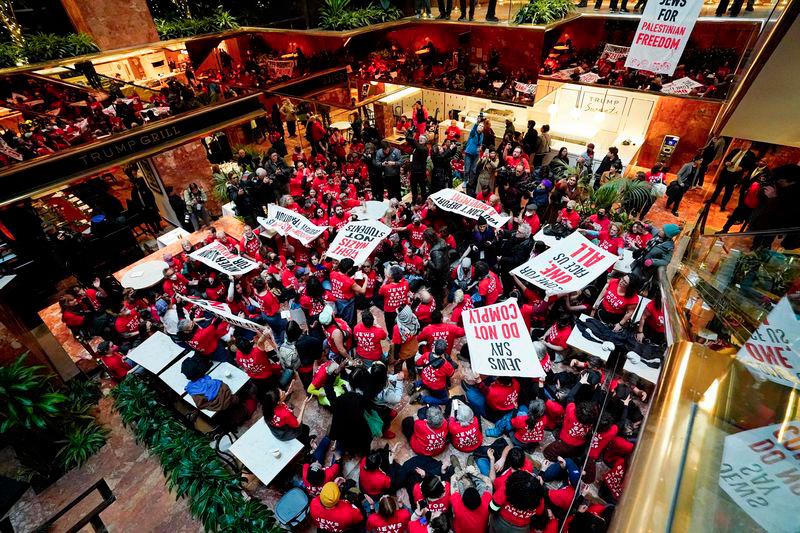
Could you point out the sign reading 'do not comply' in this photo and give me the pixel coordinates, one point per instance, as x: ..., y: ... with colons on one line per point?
x: 217, y: 256
x: 662, y: 35
x: 499, y: 342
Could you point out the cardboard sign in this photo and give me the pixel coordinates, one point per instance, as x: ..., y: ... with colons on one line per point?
x: 499, y: 341
x: 613, y: 52
x: 663, y: 32
x: 456, y: 202
x: 760, y: 471
x: 287, y: 222
x: 681, y: 86
x: 224, y: 312
x: 217, y: 256
x: 525, y: 88
x: 357, y: 240
x: 773, y: 351
x: 569, y: 265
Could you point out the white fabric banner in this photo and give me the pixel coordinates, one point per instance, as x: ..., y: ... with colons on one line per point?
x: 773, y: 351
x: 760, y: 471
x: 277, y: 68
x: 224, y: 312
x: 499, y: 341
x: 680, y: 86
x: 287, y: 222
x: 357, y: 240
x: 662, y: 35
x: 525, y: 88
x: 217, y: 256
x: 10, y: 152
x: 613, y: 52
x: 457, y: 202
x: 569, y: 265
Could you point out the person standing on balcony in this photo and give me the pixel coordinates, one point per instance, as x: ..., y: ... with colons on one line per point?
x: 444, y: 10
x: 462, y: 5
x: 490, y: 16
x: 738, y: 163
x: 542, y: 145
x: 686, y: 176
x: 289, y: 112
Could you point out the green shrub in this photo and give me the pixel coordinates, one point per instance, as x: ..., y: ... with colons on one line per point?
x: 337, y: 15
x: 220, y: 20
x: 544, y: 11
x: 39, y: 47
x: 81, y: 443
x: 9, y: 55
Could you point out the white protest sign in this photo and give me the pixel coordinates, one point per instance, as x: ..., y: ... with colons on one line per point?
x: 760, y: 471
x: 357, y: 240
x: 371, y: 210
x: 499, y: 341
x: 773, y: 351
x: 662, y: 35
x: 525, y: 88
x: 217, y: 256
x: 224, y: 312
x: 287, y: 222
x: 569, y: 265
x: 613, y: 52
x: 10, y: 152
x: 456, y: 202
x: 681, y: 86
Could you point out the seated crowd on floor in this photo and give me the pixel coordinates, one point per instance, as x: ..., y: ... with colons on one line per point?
x: 365, y: 341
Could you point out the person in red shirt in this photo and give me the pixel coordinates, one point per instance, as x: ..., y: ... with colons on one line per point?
x: 175, y: 283
x: 344, y: 288
x: 601, y: 438
x: 518, y: 503
x: 249, y: 244
x: 531, y: 218
x: 489, y: 287
x: 434, y: 494
x: 389, y: 518
x: 465, y: 428
x: 337, y: 333
x: 638, y: 237
x: 453, y: 132
x: 555, y: 338
x: 113, y: 360
x: 502, y: 396
x: 461, y: 303
x: 568, y: 216
x: 206, y: 340
x: 434, y: 371
x: 372, y: 480
x: 331, y: 514
x: 617, y: 301
x: 128, y: 324
x: 438, y: 330
x: 578, y: 423
x: 253, y: 359
x: 651, y: 325
x: 599, y: 221
x: 415, y: 231
x: 427, y: 436
x: 279, y: 415
x: 270, y: 307
x: 395, y: 295
x: 368, y: 338
x: 425, y: 307
x: 470, y: 504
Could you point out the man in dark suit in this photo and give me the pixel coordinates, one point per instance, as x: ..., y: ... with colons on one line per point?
x: 737, y: 165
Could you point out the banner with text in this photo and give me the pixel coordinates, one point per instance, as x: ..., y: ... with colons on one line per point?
x: 569, y: 265
x: 456, y: 202
x: 287, y: 222
x: 681, y: 86
x: 224, y: 312
x: 217, y: 256
x: 613, y: 52
x: 663, y: 32
x: 773, y: 351
x: 357, y: 240
x: 499, y: 342
x: 760, y: 471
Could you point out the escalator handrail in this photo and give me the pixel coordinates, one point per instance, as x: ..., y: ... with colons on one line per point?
x: 779, y: 231
x: 676, y: 321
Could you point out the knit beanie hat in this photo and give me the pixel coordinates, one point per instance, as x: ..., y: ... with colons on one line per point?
x: 330, y: 494
x: 670, y: 230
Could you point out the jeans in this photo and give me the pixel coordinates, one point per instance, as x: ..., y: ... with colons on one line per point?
x: 555, y: 472
x: 434, y: 397
x: 278, y: 325
x: 675, y: 200
x: 318, y: 456
x: 470, y: 165
x: 475, y: 400
x: 291, y: 125
x: 346, y: 310
x: 286, y: 377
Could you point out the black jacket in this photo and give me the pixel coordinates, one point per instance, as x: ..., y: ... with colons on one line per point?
x: 439, y: 264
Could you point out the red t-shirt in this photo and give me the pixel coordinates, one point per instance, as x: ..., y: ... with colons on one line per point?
x: 330, y: 474
x: 394, y: 295
x: 397, y: 523
x: 557, y: 336
x: 372, y: 482
x: 573, y: 432
x: 321, y: 375
x: 116, y: 365
x: 72, y: 319
x: 525, y: 434
x: 441, y: 504
x: 570, y: 218
x: 434, y: 378
x: 339, y: 518
x: 465, y: 438
x: 469, y: 521
x: 490, y: 288
x: 283, y: 417
x: 655, y: 317
x: 511, y: 514
x: 171, y: 286
x: 609, y: 243
x: 613, y: 302
x: 501, y: 397
x: 268, y: 303
x: 416, y: 234
x: 603, y: 223
x: 601, y: 440
x: 368, y: 341
x: 127, y: 323
x: 342, y: 286
x: 257, y: 364
x: 533, y: 222
x: 444, y: 331
x: 428, y: 441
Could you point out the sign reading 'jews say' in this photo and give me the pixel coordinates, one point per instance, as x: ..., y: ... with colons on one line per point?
x: 773, y: 351
x: 357, y: 240
x: 289, y: 223
x: 760, y: 471
x: 217, y: 256
x: 224, y: 312
x: 569, y: 265
x: 663, y: 32
x: 499, y: 342
x: 457, y: 202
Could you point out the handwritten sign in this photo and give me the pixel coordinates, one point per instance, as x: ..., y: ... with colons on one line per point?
x: 217, y: 256
x: 773, y: 351
x: 357, y: 240
x: 662, y: 35
x: 456, y: 202
x: 760, y: 471
x: 499, y: 341
x: 569, y: 265
x: 289, y: 223
x: 224, y: 312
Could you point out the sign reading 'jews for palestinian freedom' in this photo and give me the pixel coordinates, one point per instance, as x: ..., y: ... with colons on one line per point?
x: 663, y: 32
x: 499, y: 341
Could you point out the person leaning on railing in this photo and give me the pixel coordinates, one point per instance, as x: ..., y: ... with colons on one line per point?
x: 657, y: 252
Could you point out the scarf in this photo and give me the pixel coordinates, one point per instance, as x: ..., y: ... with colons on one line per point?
x: 407, y: 323
x: 205, y: 386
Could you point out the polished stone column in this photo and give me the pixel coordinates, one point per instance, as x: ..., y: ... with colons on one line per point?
x: 113, y: 23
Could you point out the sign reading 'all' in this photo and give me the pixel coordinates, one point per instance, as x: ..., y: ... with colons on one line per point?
x: 662, y: 35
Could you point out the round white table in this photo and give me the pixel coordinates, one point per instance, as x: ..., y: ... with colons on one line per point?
x: 144, y: 275
x: 342, y: 125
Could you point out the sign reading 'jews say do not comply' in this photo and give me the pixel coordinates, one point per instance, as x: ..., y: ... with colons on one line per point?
x: 773, y: 351
x: 663, y: 32
x: 217, y: 256
x: 569, y: 265
x: 760, y: 471
x: 457, y: 202
x: 499, y: 342
x: 357, y: 240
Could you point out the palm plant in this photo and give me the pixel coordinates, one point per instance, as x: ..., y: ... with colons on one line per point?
x: 27, y: 398
x: 338, y: 15
x: 543, y: 11
x: 632, y: 194
x: 81, y: 443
